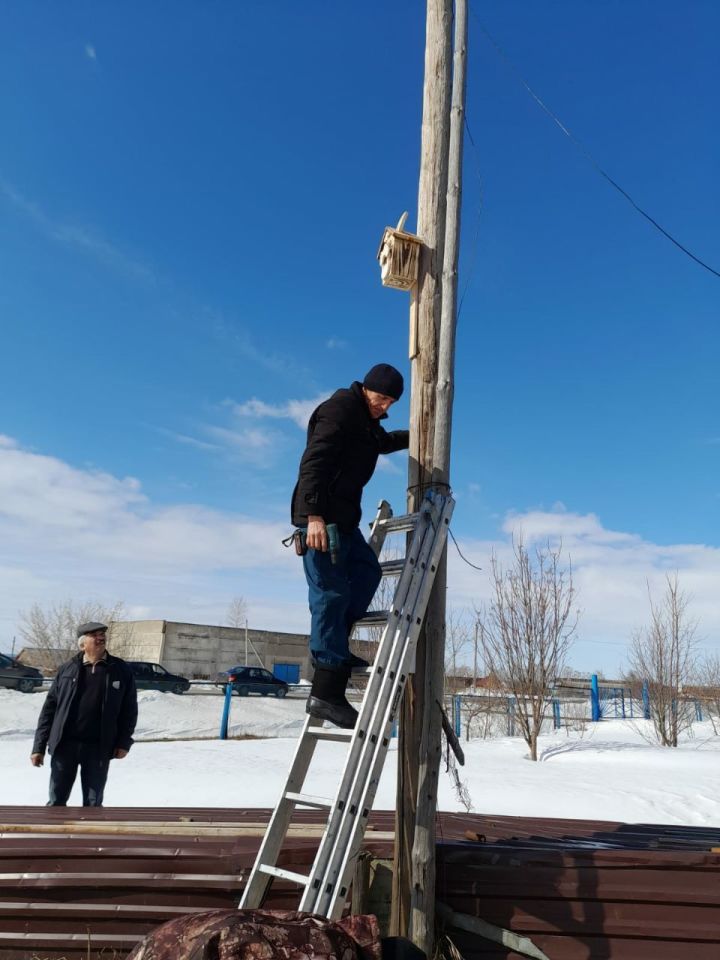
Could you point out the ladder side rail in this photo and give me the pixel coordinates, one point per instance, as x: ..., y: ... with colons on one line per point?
x: 376, y: 540
x: 256, y: 887
x: 381, y: 701
x: 448, y: 506
x: 336, y: 880
x: 378, y: 533
x: 386, y: 663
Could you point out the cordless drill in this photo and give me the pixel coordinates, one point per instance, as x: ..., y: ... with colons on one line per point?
x: 333, y: 535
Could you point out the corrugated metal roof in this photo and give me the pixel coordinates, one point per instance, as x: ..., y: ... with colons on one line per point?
x: 576, y: 888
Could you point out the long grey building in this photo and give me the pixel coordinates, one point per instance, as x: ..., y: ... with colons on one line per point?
x: 198, y: 651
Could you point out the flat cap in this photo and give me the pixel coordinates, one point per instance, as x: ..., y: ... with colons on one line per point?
x: 90, y: 628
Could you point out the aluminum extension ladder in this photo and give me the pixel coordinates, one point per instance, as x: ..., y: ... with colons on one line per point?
x: 325, y: 888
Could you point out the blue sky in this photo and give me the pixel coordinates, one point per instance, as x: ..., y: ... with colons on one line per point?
x: 191, y: 198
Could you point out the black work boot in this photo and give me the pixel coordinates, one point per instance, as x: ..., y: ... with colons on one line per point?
x: 327, y: 697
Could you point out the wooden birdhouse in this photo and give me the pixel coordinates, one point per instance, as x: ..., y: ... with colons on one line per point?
x: 399, y: 255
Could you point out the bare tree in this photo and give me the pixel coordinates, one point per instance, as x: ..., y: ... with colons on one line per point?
x: 236, y: 614
x: 484, y: 717
x: 457, y: 641
x: 664, y: 654
x: 527, y: 629
x: 51, y: 631
x: 709, y: 679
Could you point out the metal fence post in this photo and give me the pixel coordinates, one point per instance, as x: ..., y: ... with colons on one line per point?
x: 594, y: 699
x: 556, y: 713
x: 226, y: 712
x: 698, y: 711
x: 646, y: 700
x: 458, y: 723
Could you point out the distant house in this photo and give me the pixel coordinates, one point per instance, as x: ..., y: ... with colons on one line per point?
x: 467, y: 684
x: 200, y: 651
x: 46, y: 659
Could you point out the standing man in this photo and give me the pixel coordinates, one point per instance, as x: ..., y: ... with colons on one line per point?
x: 88, y: 719
x: 344, y: 441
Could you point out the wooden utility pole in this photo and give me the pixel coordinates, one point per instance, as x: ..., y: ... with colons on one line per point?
x: 433, y: 316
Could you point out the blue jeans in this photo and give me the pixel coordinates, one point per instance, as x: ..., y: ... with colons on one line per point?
x: 339, y: 594
x: 94, y: 766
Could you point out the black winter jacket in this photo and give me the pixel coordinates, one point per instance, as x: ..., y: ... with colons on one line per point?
x: 343, y: 445
x: 119, y: 711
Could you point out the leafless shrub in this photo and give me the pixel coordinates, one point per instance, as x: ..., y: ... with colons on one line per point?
x: 484, y: 718
x: 527, y: 629
x: 664, y: 654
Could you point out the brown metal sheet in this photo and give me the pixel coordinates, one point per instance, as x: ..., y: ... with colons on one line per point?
x: 579, y: 888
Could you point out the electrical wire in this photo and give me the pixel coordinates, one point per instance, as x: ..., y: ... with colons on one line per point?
x: 457, y: 547
x: 586, y: 153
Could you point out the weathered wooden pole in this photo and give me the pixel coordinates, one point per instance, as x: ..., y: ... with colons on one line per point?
x: 432, y: 348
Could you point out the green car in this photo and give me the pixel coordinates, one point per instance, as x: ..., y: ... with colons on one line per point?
x: 17, y: 675
x: 151, y: 676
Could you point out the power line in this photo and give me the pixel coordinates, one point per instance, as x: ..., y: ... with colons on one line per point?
x: 586, y: 153
x: 457, y: 547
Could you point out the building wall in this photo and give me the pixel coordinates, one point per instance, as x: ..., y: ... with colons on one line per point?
x: 137, y: 639
x: 197, y: 650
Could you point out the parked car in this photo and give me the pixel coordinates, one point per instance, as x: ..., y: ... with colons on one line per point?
x: 151, y: 676
x: 246, y: 680
x: 17, y: 675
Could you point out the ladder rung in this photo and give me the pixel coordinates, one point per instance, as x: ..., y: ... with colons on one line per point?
x: 373, y: 618
x: 329, y: 733
x: 399, y: 524
x: 281, y: 874
x: 305, y: 800
x: 392, y: 568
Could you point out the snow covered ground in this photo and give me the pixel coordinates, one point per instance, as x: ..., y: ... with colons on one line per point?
x: 610, y: 772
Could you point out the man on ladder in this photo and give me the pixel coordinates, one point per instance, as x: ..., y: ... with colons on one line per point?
x: 344, y: 440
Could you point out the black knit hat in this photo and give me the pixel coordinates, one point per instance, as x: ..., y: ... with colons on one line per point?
x: 90, y: 628
x: 384, y: 379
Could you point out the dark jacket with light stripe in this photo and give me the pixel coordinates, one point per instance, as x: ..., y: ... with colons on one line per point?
x: 119, y: 710
x: 343, y: 445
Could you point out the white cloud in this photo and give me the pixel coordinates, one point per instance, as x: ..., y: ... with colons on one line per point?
x: 298, y: 411
x: 248, y: 445
x: 188, y: 441
x: 239, y: 340
x: 386, y: 465
x: 90, y: 51
x: 79, y: 237
x: 242, y: 439
x: 611, y: 569
x: 336, y: 343
x: 71, y: 532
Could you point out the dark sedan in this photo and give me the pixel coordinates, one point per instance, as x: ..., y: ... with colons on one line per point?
x: 16, y: 675
x: 151, y: 676
x: 247, y: 680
